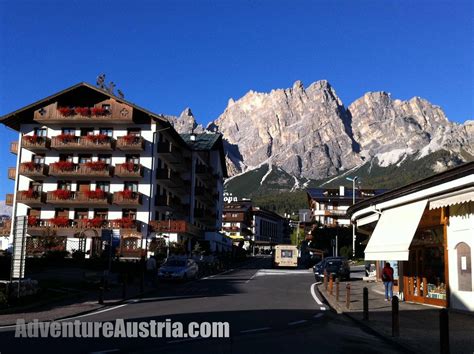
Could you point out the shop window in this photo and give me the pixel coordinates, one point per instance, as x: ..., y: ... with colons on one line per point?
x: 464, y: 267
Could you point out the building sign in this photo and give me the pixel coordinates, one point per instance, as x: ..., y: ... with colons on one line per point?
x: 229, y: 198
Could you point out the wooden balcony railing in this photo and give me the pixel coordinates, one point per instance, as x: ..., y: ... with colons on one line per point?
x: 5, y: 227
x: 130, y: 143
x: 82, y: 143
x: 39, y: 226
x: 174, y: 226
x: 35, y: 143
x: 12, y: 173
x: 123, y: 198
x: 170, y: 152
x: 84, y: 198
x: 80, y: 170
x: 31, y: 198
x: 117, y: 113
x: 14, y: 147
x: 9, y: 199
x: 32, y: 170
x: 169, y: 178
x: 129, y: 170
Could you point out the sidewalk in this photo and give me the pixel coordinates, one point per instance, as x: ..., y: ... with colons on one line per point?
x: 419, y: 324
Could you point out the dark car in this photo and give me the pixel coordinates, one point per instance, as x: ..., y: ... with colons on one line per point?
x: 339, y: 266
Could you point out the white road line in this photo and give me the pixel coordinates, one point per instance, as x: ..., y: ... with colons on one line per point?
x: 253, y: 276
x: 255, y: 330
x: 93, y: 313
x: 319, y: 302
x: 296, y: 322
x: 318, y: 315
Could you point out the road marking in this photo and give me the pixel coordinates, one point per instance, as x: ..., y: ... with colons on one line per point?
x: 93, y: 313
x: 255, y: 330
x: 319, y: 302
x: 253, y: 276
x: 296, y: 322
x: 318, y: 315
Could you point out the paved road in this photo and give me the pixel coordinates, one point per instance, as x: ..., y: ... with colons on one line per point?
x: 268, y: 311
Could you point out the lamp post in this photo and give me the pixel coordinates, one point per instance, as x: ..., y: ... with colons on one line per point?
x: 168, y: 215
x: 353, y: 180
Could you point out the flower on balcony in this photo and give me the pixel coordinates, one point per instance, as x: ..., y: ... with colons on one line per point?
x: 30, y: 193
x: 62, y: 193
x: 131, y: 139
x: 32, y: 139
x: 96, y: 165
x: 127, y: 194
x: 129, y: 166
x: 97, y: 194
x: 99, y: 111
x: 99, y: 138
x: 64, y: 165
x: 32, y: 220
x: 125, y: 223
x: 66, y: 138
x: 66, y: 111
x: 96, y: 222
x: 59, y: 221
x: 30, y: 166
x: 83, y: 111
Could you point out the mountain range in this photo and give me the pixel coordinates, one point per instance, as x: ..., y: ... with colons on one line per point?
x: 298, y: 137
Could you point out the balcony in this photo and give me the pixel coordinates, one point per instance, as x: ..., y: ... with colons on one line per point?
x: 331, y: 212
x: 94, y: 169
x: 14, y: 147
x: 5, y: 228
x: 205, y: 195
x: 66, y: 197
x: 127, y: 198
x: 170, y: 153
x: 118, y: 113
x: 169, y: 179
x: 175, y: 226
x: 35, y: 143
x: 12, y: 173
x: 9, y: 199
x: 129, y: 170
x: 168, y: 203
x: 31, y: 198
x: 33, y: 170
x: 67, y: 142
x: 130, y: 143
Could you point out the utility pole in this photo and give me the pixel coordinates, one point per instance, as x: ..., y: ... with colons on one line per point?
x: 353, y: 180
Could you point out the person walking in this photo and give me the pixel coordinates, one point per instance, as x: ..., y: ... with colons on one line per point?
x: 387, y: 278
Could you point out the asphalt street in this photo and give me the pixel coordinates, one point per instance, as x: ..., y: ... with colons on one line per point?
x: 268, y: 310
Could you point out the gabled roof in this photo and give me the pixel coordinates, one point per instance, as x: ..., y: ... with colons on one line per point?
x: 16, y: 118
x: 207, y: 142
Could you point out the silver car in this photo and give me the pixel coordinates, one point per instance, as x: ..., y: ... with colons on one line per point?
x: 178, y: 268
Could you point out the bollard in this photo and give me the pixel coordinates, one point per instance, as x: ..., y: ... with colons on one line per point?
x: 395, y: 317
x: 444, y: 331
x: 337, y: 289
x: 366, y: 303
x: 330, y: 283
x: 348, y: 295
x: 326, y: 280
x: 101, y: 291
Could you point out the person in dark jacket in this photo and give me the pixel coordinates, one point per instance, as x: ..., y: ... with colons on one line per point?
x: 387, y: 278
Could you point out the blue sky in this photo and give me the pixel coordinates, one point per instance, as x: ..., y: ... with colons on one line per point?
x: 168, y: 55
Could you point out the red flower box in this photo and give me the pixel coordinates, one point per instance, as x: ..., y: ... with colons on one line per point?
x: 99, y: 138
x: 131, y: 139
x: 96, y: 165
x: 29, y: 165
x: 83, y: 111
x: 96, y: 222
x: 32, y: 139
x: 126, y: 194
x: 62, y: 194
x: 30, y: 193
x: 32, y: 221
x: 64, y: 165
x: 125, y: 223
x: 129, y: 166
x: 97, y: 194
x: 66, y: 138
x: 66, y: 111
x: 59, y: 221
x: 99, y: 111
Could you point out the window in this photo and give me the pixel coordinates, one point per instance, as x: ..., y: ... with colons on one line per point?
x: 106, y: 107
x: 131, y: 186
x: 80, y: 214
x: 105, y: 186
x: 85, y: 158
x: 61, y: 213
x: 70, y: 131
x: 105, y: 158
x: 134, y: 131
x: 101, y: 213
x: 66, y: 157
x: 133, y: 158
x: 40, y: 132
x: 106, y: 131
x: 129, y: 213
x: 36, y: 186
x: 87, y: 131
x: 36, y: 212
x: 65, y: 185
x: 38, y: 159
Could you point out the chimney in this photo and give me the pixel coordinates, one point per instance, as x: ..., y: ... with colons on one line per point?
x: 341, y: 191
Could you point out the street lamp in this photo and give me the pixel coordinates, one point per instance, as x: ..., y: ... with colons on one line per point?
x: 353, y: 180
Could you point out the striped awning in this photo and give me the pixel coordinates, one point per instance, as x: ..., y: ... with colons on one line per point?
x: 458, y: 197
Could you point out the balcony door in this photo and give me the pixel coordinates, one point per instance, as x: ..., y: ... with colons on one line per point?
x: 104, y: 186
x: 106, y: 131
x: 64, y: 185
x: 105, y: 158
x: 38, y: 159
x: 66, y: 157
x: 87, y: 131
x: 131, y: 186
x: 61, y: 213
x: 83, y: 158
x: 135, y: 159
x: 40, y: 132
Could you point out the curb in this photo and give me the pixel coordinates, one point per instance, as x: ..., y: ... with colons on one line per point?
x: 368, y: 328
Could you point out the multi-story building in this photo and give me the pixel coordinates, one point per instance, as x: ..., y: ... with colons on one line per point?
x: 237, y: 220
x: 89, y: 161
x: 329, y: 205
x: 268, y: 227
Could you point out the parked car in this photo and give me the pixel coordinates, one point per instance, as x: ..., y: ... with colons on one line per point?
x: 333, y: 265
x: 178, y: 268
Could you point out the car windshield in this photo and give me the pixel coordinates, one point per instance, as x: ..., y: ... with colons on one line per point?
x: 175, y: 263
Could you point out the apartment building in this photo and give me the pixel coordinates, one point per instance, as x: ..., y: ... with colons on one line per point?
x: 88, y: 161
x: 237, y: 220
x: 329, y: 205
x: 268, y: 227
